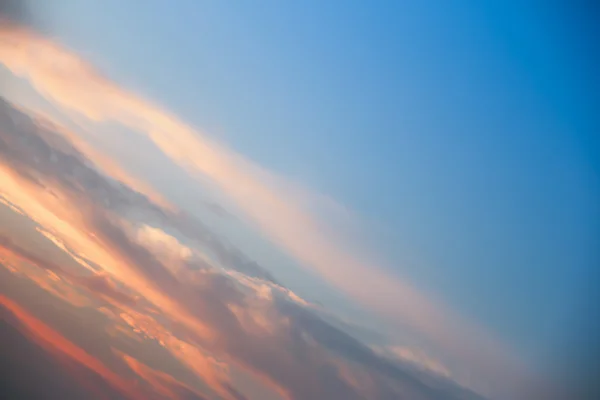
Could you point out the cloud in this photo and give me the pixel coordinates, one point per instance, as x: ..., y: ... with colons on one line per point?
x: 419, y: 358
x: 264, y: 197
x: 165, y: 247
x: 39, y: 151
x: 18, y: 12
x: 10, y: 205
x: 161, y: 383
x: 53, y: 342
x: 46, y: 280
x: 102, y: 285
x: 99, y: 284
x: 105, y: 164
x: 199, y: 304
x: 212, y: 319
x: 53, y: 207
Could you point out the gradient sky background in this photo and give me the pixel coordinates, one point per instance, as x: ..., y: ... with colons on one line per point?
x: 463, y: 135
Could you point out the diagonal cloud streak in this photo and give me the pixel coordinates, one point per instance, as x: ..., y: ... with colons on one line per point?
x: 54, y: 342
x: 205, y: 313
x: 264, y: 197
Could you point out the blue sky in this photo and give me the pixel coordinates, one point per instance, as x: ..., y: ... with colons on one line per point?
x: 463, y: 135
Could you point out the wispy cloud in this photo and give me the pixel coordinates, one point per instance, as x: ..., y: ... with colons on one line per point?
x: 264, y: 197
x: 216, y: 321
x: 99, y: 234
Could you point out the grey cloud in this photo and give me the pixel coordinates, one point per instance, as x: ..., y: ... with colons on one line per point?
x: 21, y: 360
x: 350, y: 348
x: 34, y: 149
x: 284, y: 356
x: 17, y: 11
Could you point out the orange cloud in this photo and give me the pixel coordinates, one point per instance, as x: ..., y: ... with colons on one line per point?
x: 44, y: 279
x: 205, y: 367
x: 11, y: 206
x: 58, y: 288
x: 54, y: 343
x: 77, y: 235
x: 74, y: 84
x: 55, y: 211
x: 278, y: 344
x: 161, y: 382
x: 69, y: 224
x: 99, y: 285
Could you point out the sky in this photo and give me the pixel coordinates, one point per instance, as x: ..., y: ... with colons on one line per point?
x: 429, y: 175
